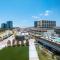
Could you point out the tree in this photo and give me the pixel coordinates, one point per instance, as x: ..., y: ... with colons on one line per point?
x: 27, y: 43
x: 17, y: 40
x: 8, y: 43
x: 20, y: 38
x: 13, y: 42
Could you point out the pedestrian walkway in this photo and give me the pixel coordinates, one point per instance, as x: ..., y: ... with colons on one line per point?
x: 4, y: 42
x: 32, y: 50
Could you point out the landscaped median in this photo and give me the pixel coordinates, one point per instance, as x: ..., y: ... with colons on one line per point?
x: 43, y: 53
x: 15, y: 53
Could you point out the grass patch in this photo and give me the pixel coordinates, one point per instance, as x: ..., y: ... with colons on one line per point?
x: 42, y: 55
x: 15, y: 53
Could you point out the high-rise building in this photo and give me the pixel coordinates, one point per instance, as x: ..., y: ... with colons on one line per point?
x: 45, y: 24
x: 9, y: 24
x: 3, y: 25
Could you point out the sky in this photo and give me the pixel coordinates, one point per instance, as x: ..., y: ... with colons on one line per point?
x: 23, y: 13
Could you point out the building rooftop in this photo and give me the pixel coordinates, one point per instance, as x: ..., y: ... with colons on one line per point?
x: 57, y: 27
x: 40, y: 29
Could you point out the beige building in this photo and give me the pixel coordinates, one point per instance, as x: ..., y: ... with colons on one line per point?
x: 45, y: 24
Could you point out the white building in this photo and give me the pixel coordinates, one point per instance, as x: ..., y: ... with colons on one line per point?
x: 49, y: 34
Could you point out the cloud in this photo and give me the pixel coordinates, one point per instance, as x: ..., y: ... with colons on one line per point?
x: 46, y: 13
x: 35, y: 17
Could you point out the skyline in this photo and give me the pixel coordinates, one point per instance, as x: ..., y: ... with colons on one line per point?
x: 23, y: 13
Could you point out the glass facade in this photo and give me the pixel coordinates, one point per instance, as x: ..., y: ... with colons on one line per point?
x: 45, y: 24
x: 9, y: 24
x: 3, y: 26
x: 35, y: 23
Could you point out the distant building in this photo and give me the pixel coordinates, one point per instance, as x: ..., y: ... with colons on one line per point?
x: 45, y: 24
x: 3, y: 26
x: 9, y: 24
x: 49, y: 33
x: 57, y: 30
x: 35, y: 23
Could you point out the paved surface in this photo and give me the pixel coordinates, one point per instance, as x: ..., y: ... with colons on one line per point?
x: 4, y: 42
x: 32, y: 50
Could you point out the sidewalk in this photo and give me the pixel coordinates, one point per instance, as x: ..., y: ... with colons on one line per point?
x: 4, y: 42
x: 32, y: 50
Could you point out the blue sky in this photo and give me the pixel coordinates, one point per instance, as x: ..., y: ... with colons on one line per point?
x: 23, y: 13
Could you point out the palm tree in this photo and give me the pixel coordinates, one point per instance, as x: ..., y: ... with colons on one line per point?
x: 8, y: 43
x: 17, y: 40
x: 27, y: 43
x: 13, y: 42
x: 21, y: 38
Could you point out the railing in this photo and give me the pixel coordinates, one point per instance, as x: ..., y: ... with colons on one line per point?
x: 50, y: 45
